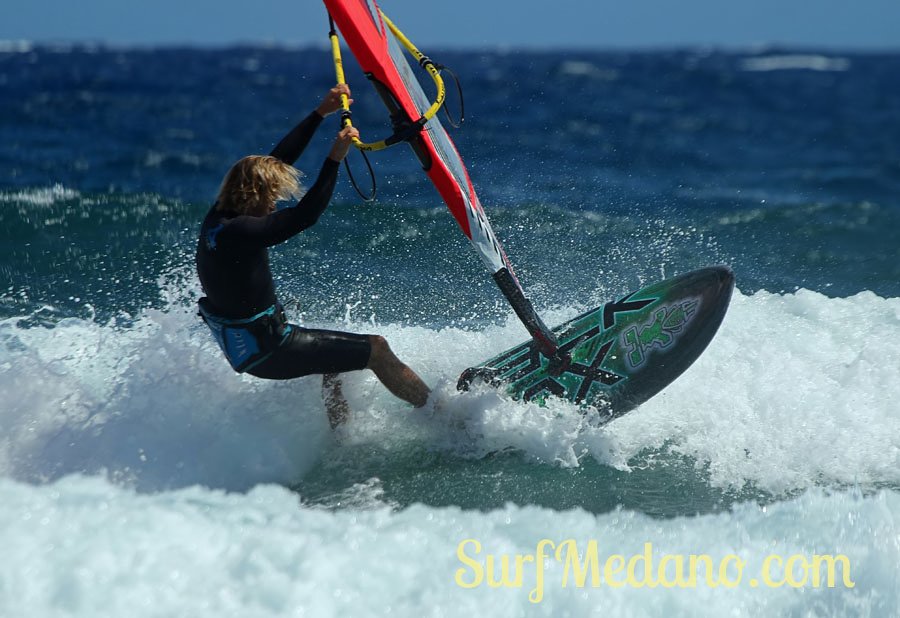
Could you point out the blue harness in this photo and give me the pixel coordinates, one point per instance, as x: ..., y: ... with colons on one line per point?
x: 249, y: 341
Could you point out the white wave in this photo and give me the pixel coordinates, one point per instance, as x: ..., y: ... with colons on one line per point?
x: 84, y: 547
x: 151, y: 406
x: 587, y: 69
x: 785, y: 62
x: 796, y: 391
x: 15, y: 46
x: 43, y: 196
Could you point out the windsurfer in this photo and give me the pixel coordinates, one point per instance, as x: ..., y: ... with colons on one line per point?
x: 240, y: 305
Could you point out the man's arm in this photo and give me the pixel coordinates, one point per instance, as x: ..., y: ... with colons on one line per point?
x: 269, y: 230
x: 277, y: 227
x: 294, y: 143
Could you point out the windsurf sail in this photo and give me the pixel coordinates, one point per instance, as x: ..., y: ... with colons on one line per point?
x: 378, y: 46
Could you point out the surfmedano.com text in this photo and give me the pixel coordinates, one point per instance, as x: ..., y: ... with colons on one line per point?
x: 583, y: 567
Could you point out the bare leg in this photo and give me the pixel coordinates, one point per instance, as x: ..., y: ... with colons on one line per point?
x: 335, y: 404
x: 397, y: 377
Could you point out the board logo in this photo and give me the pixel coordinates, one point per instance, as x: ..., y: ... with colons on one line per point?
x: 659, y: 333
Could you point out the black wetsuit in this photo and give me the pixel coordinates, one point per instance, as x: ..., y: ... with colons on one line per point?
x: 233, y: 265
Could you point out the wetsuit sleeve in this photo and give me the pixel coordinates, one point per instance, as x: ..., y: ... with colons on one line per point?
x: 277, y: 227
x: 294, y: 143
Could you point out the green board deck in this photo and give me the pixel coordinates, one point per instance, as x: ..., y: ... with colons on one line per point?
x: 623, y: 352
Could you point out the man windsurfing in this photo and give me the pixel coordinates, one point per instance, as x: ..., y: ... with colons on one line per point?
x: 241, y: 307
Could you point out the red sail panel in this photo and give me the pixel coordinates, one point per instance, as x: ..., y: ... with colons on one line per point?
x: 381, y: 56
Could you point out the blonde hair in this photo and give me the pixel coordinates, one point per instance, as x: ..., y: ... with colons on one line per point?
x: 256, y: 182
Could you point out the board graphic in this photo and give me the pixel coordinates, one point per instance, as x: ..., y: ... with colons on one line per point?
x: 622, y: 353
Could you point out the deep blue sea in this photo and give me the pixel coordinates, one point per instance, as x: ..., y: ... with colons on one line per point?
x: 140, y: 476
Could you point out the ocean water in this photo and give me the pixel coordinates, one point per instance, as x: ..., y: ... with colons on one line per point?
x: 139, y: 476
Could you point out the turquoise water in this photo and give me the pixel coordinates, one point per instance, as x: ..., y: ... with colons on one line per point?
x: 140, y: 476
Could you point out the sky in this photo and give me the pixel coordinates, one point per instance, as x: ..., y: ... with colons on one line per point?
x: 834, y: 24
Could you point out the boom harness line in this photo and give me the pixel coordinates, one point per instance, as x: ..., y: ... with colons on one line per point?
x: 408, y: 130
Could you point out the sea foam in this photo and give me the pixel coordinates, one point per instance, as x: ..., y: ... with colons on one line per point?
x: 83, y: 547
x: 796, y: 391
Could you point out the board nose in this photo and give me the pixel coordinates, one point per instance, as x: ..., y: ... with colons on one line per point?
x: 724, y: 274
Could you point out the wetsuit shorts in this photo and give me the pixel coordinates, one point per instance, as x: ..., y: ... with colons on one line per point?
x: 266, y: 346
x: 306, y: 351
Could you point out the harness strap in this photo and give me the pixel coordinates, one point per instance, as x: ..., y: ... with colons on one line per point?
x: 246, y: 342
